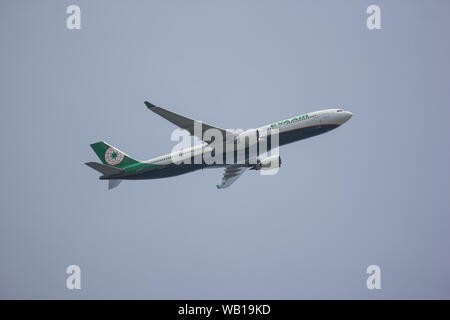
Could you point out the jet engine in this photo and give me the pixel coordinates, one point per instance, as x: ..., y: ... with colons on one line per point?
x: 268, y: 163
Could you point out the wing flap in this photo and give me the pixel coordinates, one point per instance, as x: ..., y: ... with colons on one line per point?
x: 231, y: 174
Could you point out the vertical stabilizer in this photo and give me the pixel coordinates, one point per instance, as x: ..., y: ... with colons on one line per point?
x: 112, y: 156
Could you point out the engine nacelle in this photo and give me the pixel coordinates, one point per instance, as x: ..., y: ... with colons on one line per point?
x: 268, y: 163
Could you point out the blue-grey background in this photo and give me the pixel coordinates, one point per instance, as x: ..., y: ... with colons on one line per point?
x: 375, y: 191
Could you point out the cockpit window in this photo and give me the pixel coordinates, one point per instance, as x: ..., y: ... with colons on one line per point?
x: 340, y: 110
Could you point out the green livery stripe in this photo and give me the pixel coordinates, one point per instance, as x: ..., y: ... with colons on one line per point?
x: 141, y: 167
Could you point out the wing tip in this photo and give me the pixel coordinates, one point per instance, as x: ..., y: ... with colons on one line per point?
x: 149, y: 105
x: 218, y: 186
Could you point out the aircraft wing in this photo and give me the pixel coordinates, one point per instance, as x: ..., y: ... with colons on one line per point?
x: 186, y: 123
x: 231, y: 174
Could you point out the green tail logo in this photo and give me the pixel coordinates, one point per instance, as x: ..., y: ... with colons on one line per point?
x: 112, y: 156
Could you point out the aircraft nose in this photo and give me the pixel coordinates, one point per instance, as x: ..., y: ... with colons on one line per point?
x: 347, y: 115
x: 344, y: 116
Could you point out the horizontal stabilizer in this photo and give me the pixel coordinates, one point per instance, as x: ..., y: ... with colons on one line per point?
x: 113, y: 183
x: 104, y: 168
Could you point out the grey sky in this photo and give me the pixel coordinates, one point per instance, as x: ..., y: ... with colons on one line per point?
x: 374, y: 191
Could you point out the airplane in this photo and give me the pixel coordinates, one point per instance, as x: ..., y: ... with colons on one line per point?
x: 117, y: 166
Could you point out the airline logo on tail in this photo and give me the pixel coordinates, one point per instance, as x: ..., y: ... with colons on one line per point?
x: 113, y: 156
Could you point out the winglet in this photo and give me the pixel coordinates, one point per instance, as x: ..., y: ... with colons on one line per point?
x: 149, y: 105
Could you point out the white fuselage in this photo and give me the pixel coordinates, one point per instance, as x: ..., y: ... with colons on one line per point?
x: 316, y: 119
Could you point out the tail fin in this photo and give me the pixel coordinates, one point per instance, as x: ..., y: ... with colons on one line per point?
x: 111, y: 156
